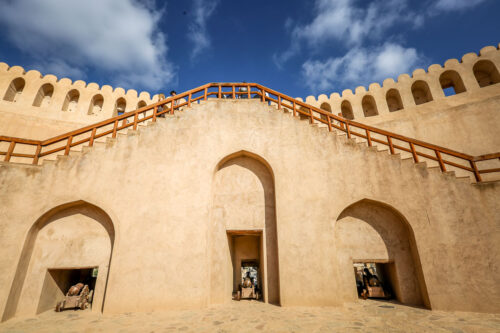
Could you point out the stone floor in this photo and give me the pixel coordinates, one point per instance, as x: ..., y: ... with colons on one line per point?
x: 252, y: 316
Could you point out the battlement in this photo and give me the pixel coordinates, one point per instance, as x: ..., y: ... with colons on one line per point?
x: 32, y: 94
x: 466, y: 79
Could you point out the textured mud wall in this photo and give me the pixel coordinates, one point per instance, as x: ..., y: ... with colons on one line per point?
x: 157, y: 186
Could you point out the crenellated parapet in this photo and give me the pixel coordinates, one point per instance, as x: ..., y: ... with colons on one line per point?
x: 476, y: 76
x: 32, y: 94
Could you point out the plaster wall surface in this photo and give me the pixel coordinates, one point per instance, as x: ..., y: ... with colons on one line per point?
x: 157, y: 186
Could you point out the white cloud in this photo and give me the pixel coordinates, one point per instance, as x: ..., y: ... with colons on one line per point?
x: 360, y: 66
x: 197, y: 29
x: 450, y: 5
x: 118, y: 38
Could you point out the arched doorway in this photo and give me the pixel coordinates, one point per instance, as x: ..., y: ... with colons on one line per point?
x: 243, y: 227
x: 373, y: 232
x: 67, y: 241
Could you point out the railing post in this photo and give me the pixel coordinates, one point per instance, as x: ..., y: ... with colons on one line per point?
x: 263, y: 95
x: 248, y: 91
x: 341, y: 123
x: 37, y: 154
x: 155, y: 110
x: 189, y: 100
x: 368, y: 138
x: 440, y: 161
x: 477, y: 175
x: 348, y: 130
x: 311, y: 116
x: 234, y: 92
x: 172, y: 106
x: 135, y: 120
x: 9, y: 151
x: 414, y: 152
x: 115, y: 127
x: 279, y: 102
x: 294, y: 111
x: 205, y: 94
x: 391, y: 147
x: 68, y: 145
x: 220, y: 91
x: 329, y: 122
x: 92, y: 135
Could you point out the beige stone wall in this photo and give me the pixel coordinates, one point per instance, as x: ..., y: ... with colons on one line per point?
x: 467, y: 122
x: 157, y: 187
x: 57, y: 113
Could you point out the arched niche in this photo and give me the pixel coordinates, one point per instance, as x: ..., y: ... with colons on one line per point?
x: 14, y: 90
x: 325, y: 106
x: 243, y: 226
x: 394, y: 102
x: 374, y: 232
x: 44, y: 95
x: 71, y: 100
x: 451, y: 83
x: 96, y: 103
x: 73, y: 236
x: 421, y: 92
x: 346, y: 110
x: 369, y: 106
x: 486, y: 73
x: 120, y: 106
x: 141, y: 104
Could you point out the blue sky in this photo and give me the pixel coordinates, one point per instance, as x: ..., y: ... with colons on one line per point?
x: 296, y: 47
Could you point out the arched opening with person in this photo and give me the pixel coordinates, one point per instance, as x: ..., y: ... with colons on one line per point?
x: 486, y: 73
x: 373, y: 236
x: 68, y: 244
x: 14, y: 90
x: 244, y: 236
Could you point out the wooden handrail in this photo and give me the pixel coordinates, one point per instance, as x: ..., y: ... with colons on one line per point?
x: 236, y: 91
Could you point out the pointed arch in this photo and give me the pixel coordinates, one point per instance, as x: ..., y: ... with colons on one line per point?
x: 486, y: 73
x: 243, y: 200
x: 373, y: 231
x: 394, y: 102
x: 76, y: 213
x: 14, y: 90
x: 369, y: 106
x: 421, y: 92
x: 71, y: 100
x: 44, y: 95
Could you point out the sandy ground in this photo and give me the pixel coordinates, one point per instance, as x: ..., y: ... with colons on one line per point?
x: 252, y: 316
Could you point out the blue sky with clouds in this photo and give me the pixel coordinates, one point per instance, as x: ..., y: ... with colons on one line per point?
x: 296, y: 47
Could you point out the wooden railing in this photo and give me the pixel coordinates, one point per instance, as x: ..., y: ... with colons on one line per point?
x: 110, y: 127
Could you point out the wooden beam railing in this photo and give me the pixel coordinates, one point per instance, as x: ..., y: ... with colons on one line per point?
x: 238, y: 91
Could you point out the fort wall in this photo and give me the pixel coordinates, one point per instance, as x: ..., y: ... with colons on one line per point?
x: 164, y: 212
x: 416, y: 105
x: 37, y: 106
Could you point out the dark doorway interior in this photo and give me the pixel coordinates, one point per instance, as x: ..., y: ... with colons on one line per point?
x: 58, y: 281
x: 375, y: 280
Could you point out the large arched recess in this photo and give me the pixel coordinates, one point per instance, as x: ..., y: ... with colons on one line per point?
x: 372, y: 231
x: 73, y: 235
x: 243, y: 199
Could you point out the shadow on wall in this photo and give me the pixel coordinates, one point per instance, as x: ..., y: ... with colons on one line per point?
x: 73, y: 235
x: 371, y: 231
